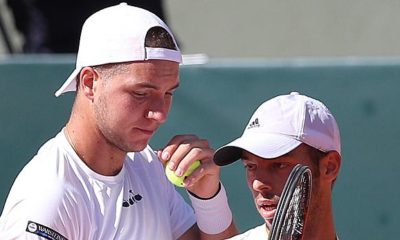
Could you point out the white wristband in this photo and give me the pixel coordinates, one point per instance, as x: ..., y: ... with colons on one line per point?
x: 213, y: 215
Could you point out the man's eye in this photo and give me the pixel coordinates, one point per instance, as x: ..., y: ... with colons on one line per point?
x: 139, y: 94
x: 250, y: 167
x: 281, y: 165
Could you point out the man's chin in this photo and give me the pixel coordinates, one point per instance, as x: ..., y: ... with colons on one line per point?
x: 138, y: 148
x: 135, y: 147
x: 268, y: 223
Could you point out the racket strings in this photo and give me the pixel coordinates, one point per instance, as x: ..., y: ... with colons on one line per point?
x: 292, y: 228
x: 297, y: 209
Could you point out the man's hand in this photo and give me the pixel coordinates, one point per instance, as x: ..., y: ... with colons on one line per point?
x: 180, y: 152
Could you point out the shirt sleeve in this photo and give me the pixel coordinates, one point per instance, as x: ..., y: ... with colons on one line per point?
x: 182, y: 214
x: 40, y: 212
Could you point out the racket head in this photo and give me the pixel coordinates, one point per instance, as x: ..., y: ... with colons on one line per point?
x: 291, y: 213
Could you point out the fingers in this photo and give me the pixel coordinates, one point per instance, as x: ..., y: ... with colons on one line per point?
x: 183, y: 150
x: 180, y: 152
x: 198, y: 174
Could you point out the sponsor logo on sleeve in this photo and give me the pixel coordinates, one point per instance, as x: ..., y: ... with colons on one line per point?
x: 44, y: 231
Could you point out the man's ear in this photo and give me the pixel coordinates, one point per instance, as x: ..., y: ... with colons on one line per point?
x: 330, y: 165
x: 88, y: 79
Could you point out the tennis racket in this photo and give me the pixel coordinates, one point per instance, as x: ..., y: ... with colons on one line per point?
x: 291, y: 213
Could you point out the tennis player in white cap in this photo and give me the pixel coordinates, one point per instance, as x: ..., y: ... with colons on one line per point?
x: 283, y: 132
x: 98, y: 178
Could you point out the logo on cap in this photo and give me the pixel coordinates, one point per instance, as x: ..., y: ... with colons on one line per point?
x: 254, y: 124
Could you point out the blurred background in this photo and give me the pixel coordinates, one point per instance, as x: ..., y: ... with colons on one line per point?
x: 238, y: 54
x: 271, y: 28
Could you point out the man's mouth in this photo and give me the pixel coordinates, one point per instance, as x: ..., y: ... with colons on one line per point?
x: 267, y: 211
x: 267, y: 208
x: 146, y: 131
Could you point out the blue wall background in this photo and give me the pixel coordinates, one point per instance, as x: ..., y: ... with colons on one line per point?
x: 215, y: 101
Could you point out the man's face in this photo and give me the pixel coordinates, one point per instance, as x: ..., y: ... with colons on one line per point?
x: 266, y: 178
x: 131, y: 105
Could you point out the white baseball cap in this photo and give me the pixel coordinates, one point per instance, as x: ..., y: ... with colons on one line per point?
x: 280, y: 125
x: 117, y: 34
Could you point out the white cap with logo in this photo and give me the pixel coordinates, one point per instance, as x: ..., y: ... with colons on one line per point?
x: 281, y: 124
x: 117, y: 34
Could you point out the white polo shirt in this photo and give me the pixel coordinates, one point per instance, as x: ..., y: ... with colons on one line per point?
x: 56, y: 196
x: 258, y: 233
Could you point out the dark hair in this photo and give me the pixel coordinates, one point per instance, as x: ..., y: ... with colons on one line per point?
x: 158, y: 37
x: 316, y: 155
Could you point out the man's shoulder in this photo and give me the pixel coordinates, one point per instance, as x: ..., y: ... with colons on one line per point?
x: 44, y: 191
x: 50, y: 158
x: 54, y: 147
x: 48, y: 171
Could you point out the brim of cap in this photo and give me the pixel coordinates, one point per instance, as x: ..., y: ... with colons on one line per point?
x: 70, y: 84
x: 262, y: 145
x: 150, y: 54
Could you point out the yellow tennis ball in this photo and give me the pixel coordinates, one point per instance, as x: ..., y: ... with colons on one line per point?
x: 178, y: 181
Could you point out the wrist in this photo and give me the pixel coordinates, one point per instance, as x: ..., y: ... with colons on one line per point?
x: 213, y: 214
x: 206, y: 198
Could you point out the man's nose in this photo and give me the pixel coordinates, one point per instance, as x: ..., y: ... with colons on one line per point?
x: 261, y: 184
x: 157, y: 115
